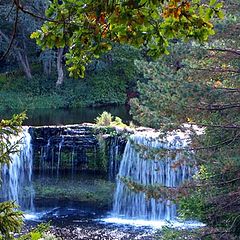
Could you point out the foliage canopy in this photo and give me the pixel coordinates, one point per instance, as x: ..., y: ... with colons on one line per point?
x: 87, y: 28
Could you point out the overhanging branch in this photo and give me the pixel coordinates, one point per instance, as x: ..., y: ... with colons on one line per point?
x: 12, y: 38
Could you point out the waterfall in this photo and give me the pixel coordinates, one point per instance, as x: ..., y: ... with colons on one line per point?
x: 16, y: 178
x: 72, y: 161
x: 59, y: 155
x: 129, y: 204
x: 113, y: 162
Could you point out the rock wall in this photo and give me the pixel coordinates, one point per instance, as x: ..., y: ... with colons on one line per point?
x: 77, y: 148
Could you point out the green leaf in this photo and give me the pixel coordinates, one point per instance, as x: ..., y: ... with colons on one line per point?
x: 35, y: 35
x: 220, y: 14
x: 218, y: 6
x: 35, y: 236
x: 212, y: 2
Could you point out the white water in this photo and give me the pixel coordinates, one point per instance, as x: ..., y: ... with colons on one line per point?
x: 16, y: 177
x: 59, y: 155
x: 131, y: 205
x: 156, y: 224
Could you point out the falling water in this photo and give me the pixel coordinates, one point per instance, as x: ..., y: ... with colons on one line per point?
x: 72, y: 161
x: 16, y: 178
x: 129, y: 204
x: 59, y: 155
x: 113, y: 158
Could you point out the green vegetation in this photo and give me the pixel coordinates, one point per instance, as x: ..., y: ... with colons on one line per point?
x: 31, y: 78
x: 196, y: 84
x: 107, y: 82
x: 107, y: 120
x: 199, y: 85
x: 38, y: 233
x: 94, y: 26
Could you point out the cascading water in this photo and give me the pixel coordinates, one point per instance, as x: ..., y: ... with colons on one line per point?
x: 115, y: 151
x: 16, y: 178
x: 59, y: 155
x: 129, y: 204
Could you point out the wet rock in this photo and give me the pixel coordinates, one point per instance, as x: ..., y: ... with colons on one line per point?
x: 78, y: 147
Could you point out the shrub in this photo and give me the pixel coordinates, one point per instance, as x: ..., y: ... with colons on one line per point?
x: 105, y: 119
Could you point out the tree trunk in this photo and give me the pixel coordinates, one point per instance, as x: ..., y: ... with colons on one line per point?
x: 59, y: 67
x: 47, y: 67
x: 23, y: 59
x: 21, y: 56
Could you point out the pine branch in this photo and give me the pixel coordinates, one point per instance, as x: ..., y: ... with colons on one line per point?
x: 219, y: 107
x: 228, y: 89
x: 220, y: 70
x: 233, y: 51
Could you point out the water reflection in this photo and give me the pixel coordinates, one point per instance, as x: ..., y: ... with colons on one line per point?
x: 40, y: 117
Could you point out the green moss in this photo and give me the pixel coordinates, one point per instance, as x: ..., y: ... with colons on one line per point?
x: 82, y: 189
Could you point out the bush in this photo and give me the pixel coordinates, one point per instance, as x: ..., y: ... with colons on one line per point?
x: 107, y: 120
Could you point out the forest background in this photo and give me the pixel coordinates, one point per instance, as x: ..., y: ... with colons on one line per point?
x: 195, y: 83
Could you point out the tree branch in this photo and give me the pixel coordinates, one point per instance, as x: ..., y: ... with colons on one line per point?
x: 233, y: 51
x: 21, y: 8
x: 217, y: 107
x: 12, y: 38
x: 230, y: 181
x: 228, y: 89
x: 221, y: 70
x: 233, y: 126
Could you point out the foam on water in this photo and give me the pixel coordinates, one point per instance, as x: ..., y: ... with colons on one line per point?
x: 31, y: 216
x: 154, y: 224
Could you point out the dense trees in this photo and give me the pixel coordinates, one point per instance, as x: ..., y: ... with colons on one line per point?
x: 201, y: 87
x: 146, y: 23
x: 110, y: 79
x: 16, y: 46
x: 28, y: 75
x: 87, y: 28
x: 195, y: 84
x: 15, y: 29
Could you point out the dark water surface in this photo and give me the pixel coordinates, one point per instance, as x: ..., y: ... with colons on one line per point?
x: 40, y: 117
x: 76, y: 205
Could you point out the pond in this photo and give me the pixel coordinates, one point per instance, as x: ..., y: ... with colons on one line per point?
x: 40, y: 117
x: 77, y: 205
